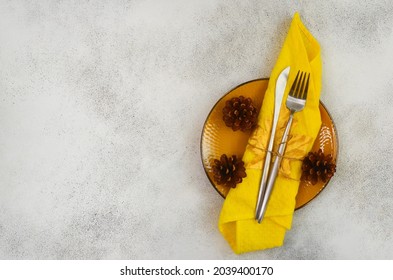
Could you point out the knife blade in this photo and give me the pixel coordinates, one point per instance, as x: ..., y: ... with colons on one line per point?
x: 281, y: 84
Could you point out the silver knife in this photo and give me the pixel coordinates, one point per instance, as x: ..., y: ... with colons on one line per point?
x: 281, y: 84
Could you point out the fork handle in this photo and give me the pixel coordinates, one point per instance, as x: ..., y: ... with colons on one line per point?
x: 274, y: 171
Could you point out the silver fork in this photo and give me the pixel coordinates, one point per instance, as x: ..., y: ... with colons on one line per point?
x: 296, y: 101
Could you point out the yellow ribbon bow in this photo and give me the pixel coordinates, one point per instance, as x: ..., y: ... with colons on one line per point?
x: 237, y: 223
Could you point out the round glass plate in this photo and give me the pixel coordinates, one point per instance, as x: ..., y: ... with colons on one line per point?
x: 218, y: 139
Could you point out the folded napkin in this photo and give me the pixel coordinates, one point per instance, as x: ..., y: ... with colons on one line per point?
x: 237, y: 219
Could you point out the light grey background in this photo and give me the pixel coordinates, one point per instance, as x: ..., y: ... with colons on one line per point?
x: 102, y: 104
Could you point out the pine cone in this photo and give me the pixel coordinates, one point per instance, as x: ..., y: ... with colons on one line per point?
x: 317, y: 166
x: 228, y: 171
x: 240, y: 113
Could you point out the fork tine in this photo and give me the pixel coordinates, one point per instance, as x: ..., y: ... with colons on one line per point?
x: 298, y: 86
x: 306, y: 89
x: 291, y: 91
x: 301, y: 90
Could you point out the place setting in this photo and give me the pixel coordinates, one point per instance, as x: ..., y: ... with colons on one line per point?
x: 269, y: 146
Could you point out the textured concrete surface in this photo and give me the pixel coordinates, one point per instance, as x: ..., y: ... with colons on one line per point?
x: 102, y: 105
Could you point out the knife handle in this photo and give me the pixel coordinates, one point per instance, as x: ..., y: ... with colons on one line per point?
x: 274, y: 171
x: 262, y: 187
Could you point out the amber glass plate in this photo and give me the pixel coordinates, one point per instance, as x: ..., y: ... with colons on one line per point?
x: 218, y: 139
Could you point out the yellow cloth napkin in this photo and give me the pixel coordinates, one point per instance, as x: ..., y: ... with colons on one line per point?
x: 237, y: 221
